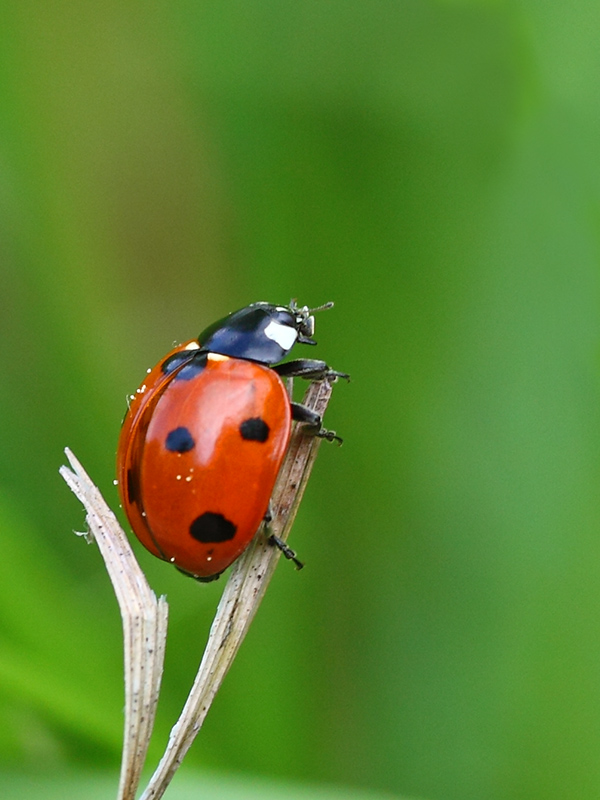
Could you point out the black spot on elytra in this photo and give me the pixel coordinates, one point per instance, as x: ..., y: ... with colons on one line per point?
x: 179, y: 440
x: 210, y: 527
x: 254, y: 429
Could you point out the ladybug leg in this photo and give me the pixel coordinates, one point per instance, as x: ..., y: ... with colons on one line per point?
x: 286, y: 551
x: 313, y: 423
x: 309, y: 368
x: 268, y: 514
x: 198, y: 578
x: 277, y: 542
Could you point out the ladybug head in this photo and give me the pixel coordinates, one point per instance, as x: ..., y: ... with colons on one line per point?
x: 304, y: 320
x: 261, y: 332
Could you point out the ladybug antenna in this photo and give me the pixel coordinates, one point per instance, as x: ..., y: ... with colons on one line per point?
x: 306, y: 321
x: 305, y: 310
x: 324, y: 307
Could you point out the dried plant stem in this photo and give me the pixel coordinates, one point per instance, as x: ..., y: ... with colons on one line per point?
x: 144, y: 625
x: 145, y: 617
x: 242, y: 596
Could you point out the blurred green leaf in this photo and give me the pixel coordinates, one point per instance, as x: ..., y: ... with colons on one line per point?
x: 434, y: 168
x: 210, y: 785
x: 52, y: 658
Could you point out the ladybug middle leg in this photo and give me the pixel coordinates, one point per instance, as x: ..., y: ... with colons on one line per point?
x: 313, y: 423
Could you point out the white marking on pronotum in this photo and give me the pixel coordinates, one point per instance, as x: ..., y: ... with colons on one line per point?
x: 192, y: 346
x: 217, y: 357
x: 282, y: 334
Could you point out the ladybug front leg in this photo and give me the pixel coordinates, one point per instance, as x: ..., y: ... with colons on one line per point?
x: 313, y: 423
x: 309, y: 368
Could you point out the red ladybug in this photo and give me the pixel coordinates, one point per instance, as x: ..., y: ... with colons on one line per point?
x: 206, y: 433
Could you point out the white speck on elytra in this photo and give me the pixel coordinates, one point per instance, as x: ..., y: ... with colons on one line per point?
x: 178, y: 477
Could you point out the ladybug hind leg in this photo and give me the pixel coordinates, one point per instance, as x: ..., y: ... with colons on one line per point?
x: 286, y: 550
x: 279, y: 543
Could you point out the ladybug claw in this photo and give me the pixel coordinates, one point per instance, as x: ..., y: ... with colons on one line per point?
x: 333, y: 375
x: 330, y: 436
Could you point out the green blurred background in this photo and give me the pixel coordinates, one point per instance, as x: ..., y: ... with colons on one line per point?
x: 433, y: 167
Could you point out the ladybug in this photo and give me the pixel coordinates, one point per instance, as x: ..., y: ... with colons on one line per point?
x: 206, y: 433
